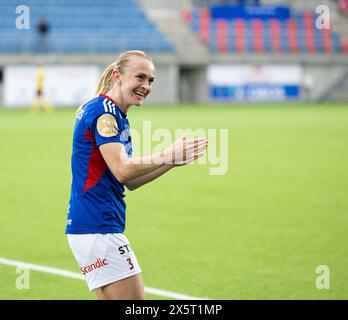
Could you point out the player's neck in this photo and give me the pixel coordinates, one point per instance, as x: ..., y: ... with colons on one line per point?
x: 118, y: 101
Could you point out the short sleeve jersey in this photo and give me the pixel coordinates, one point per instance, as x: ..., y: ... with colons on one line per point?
x: 97, y: 198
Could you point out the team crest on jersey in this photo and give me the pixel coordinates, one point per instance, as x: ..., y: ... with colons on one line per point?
x: 107, y: 126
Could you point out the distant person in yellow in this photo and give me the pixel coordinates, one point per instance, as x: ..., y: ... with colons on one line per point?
x: 40, y: 101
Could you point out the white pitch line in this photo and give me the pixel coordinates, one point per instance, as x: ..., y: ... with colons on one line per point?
x: 75, y: 275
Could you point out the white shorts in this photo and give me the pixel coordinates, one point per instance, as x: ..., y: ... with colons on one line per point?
x: 103, y: 258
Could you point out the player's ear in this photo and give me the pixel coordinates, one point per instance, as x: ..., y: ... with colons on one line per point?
x: 116, y: 76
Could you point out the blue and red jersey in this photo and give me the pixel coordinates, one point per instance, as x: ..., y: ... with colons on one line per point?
x: 97, y: 198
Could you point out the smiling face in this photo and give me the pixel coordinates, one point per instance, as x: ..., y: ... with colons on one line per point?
x: 134, y: 85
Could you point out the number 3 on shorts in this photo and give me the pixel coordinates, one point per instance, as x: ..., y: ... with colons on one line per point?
x: 131, y: 266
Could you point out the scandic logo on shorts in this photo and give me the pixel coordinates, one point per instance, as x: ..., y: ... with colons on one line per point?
x: 93, y: 266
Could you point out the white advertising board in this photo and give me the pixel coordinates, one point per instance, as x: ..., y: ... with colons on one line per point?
x: 64, y: 85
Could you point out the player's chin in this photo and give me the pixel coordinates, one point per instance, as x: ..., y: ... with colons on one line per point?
x: 139, y: 101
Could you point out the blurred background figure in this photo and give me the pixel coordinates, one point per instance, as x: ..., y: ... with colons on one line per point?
x: 40, y: 101
x: 43, y: 28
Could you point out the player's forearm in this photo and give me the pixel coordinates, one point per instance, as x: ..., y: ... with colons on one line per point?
x: 125, y: 169
x: 133, y: 168
x: 138, y: 182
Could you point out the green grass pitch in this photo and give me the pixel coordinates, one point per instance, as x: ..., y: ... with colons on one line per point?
x: 257, y: 232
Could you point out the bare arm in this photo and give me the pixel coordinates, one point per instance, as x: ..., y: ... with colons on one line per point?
x: 138, y: 182
x: 126, y: 169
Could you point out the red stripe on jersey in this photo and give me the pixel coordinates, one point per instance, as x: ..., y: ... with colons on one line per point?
x: 96, y: 166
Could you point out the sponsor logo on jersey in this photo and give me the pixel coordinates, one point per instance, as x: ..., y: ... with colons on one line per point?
x: 125, y: 249
x: 107, y: 126
x: 100, y: 263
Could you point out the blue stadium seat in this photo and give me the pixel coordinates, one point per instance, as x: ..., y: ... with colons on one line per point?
x: 82, y: 26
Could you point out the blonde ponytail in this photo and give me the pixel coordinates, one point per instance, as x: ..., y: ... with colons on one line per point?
x: 121, y: 64
x: 105, y: 81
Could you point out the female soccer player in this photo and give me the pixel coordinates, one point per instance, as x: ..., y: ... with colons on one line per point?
x: 102, y: 164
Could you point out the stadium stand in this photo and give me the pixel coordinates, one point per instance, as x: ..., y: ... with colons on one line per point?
x: 294, y: 34
x: 82, y: 26
x: 183, y: 52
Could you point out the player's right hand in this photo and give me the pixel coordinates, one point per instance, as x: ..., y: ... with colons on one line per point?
x: 184, y: 151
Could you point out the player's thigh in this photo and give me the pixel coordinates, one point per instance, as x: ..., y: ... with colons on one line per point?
x: 100, y: 294
x: 131, y: 288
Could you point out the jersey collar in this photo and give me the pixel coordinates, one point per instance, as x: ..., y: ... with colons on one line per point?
x: 107, y: 97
